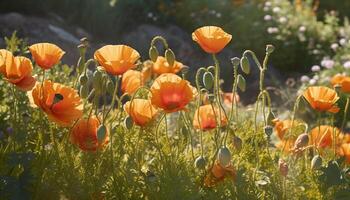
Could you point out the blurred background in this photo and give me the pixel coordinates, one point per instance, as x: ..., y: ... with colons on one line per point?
x: 302, y: 30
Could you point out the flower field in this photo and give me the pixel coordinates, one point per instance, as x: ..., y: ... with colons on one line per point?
x: 120, y: 125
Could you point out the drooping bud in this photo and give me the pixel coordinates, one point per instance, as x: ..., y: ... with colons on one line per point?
x: 301, y: 141
x: 200, y: 162
x: 97, y: 80
x: 316, y: 162
x: 84, y: 91
x: 170, y: 57
x: 241, y: 83
x: 237, y: 143
x: 224, y: 156
x: 270, y: 117
x: 128, y: 122
x: 283, y: 167
x: 83, y: 79
x: 269, y: 48
x: 101, y: 133
x: 245, y: 66
x: 208, y: 80
x: 268, y: 130
x: 153, y: 53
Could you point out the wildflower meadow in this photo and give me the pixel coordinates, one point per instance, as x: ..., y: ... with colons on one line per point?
x: 121, y: 123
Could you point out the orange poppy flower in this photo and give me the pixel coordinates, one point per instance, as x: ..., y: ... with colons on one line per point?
x: 141, y: 111
x: 161, y: 66
x: 117, y: 59
x: 46, y: 55
x: 17, y: 70
x: 131, y: 81
x: 322, y: 98
x: 84, y: 134
x: 283, y: 126
x: 229, y: 97
x: 212, y: 39
x: 342, y: 81
x: 171, y: 93
x: 61, y: 103
x: 219, y: 173
x: 344, y: 150
x: 322, y: 136
x: 204, y: 117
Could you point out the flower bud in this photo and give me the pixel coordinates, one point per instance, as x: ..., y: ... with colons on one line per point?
x: 153, y: 53
x: 224, y: 156
x: 208, y: 80
x: 128, y: 122
x: 170, y: 57
x: 301, y: 141
x: 269, y: 48
x: 268, y: 130
x: 185, y: 69
x: 110, y: 87
x: 97, y: 80
x: 200, y: 162
x: 101, y: 133
x: 83, y: 79
x: 237, y: 143
x: 316, y: 162
x: 84, y: 91
x: 245, y: 66
x: 270, y: 117
x: 283, y: 167
x: 235, y: 61
x: 241, y: 83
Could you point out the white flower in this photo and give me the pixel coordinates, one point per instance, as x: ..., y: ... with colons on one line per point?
x: 343, y: 41
x: 272, y: 30
x: 334, y: 46
x: 149, y: 15
x: 302, y: 29
x: 327, y: 63
x: 316, y: 77
x: 276, y: 9
x: 268, y: 3
x: 315, y: 68
x: 347, y: 65
x: 304, y: 79
x: 312, y: 82
x: 267, y: 17
x: 266, y: 8
x: 282, y: 20
x: 218, y: 15
x: 315, y: 51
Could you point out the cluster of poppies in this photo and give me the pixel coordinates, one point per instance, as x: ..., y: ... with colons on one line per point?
x: 167, y: 93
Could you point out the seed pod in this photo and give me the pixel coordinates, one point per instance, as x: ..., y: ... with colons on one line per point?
x: 84, y: 91
x: 101, y: 133
x: 283, y: 167
x: 269, y: 48
x: 200, y: 162
x: 208, y: 80
x: 237, y: 143
x: 268, y: 130
x: 83, y: 79
x: 153, y: 53
x: 316, y: 162
x: 245, y: 66
x: 241, y: 83
x: 128, y: 122
x: 224, y: 156
x: 170, y: 57
x: 301, y: 141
